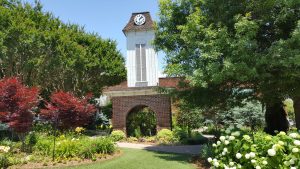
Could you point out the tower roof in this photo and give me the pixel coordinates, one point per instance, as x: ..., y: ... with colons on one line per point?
x: 132, y: 27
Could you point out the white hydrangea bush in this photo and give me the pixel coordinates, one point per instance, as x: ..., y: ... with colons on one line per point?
x: 237, y: 149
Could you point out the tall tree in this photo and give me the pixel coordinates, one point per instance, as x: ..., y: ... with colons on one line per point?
x: 232, y: 50
x: 43, y: 51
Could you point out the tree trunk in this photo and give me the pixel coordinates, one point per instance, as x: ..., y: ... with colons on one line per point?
x: 297, y: 112
x: 276, y: 118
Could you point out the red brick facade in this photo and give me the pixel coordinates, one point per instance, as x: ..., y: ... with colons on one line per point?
x: 160, y: 104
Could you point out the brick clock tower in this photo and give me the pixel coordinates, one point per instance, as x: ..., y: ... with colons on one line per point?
x: 139, y: 91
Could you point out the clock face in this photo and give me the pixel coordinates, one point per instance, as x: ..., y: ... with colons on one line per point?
x: 139, y: 19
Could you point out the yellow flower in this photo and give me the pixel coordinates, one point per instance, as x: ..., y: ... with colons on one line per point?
x: 79, y: 129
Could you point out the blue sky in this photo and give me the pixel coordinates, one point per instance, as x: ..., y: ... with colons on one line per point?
x: 105, y: 17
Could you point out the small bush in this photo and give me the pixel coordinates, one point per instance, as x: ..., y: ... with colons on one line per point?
x: 166, y: 136
x: 180, y: 133
x: 132, y: 139
x: 118, y: 135
x: 150, y: 139
x: 4, y: 162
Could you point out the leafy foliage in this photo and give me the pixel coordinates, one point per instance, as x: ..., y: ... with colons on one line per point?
x: 249, y: 114
x: 16, y: 104
x: 118, y: 135
x: 166, y: 136
x: 232, y: 50
x: 68, y: 111
x: 43, y: 51
x: 188, y: 117
x: 141, y: 123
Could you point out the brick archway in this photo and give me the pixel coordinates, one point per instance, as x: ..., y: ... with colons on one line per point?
x: 160, y: 104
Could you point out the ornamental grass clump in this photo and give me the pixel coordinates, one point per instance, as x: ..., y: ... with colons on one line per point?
x: 238, y: 149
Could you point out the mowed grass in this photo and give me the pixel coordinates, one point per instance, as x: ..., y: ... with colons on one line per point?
x: 142, y: 159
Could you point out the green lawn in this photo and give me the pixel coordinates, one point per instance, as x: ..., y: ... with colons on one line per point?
x: 143, y: 159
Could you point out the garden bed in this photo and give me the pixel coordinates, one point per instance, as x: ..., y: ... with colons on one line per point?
x: 68, y: 163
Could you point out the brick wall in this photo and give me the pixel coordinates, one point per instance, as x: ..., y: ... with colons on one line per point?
x: 160, y: 104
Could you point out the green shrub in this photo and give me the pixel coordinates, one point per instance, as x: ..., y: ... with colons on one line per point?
x: 140, y: 123
x: 44, y: 146
x: 150, y: 139
x: 4, y: 162
x: 180, y: 133
x: 67, y: 148
x: 132, y: 139
x: 31, y: 140
x: 206, y: 151
x: 90, y: 147
x: 166, y: 136
x: 259, y: 150
x: 117, y: 135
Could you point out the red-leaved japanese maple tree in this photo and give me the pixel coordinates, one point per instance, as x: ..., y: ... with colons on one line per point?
x: 68, y: 111
x: 16, y: 104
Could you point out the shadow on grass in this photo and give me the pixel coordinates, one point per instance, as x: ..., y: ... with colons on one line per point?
x: 184, y: 149
x: 170, y: 156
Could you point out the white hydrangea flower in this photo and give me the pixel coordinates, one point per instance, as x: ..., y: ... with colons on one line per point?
x: 293, y: 135
x: 222, y: 138
x: 226, y: 142
x: 233, y: 168
x: 293, y: 168
x: 282, y: 133
x: 271, y: 152
x: 226, y: 167
x: 265, y: 162
x: 231, y: 137
x: 253, y: 161
x: 252, y: 155
x: 276, y: 146
x: 292, y: 161
x: 238, y: 155
x: 247, y: 156
x: 286, y: 163
x: 225, y: 150
x: 223, y: 153
x: 239, y: 166
x: 258, y: 167
x: 218, y: 142
x: 231, y: 163
x: 214, y: 160
x: 216, y: 164
x: 239, y: 126
x: 246, y: 137
x: 209, y: 159
x: 281, y: 143
x: 227, y: 131
x: 297, y: 142
x: 236, y: 133
x: 295, y: 150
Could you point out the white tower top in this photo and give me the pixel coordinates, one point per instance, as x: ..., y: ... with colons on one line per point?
x: 141, y: 62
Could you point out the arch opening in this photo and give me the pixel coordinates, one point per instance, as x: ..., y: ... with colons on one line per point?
x: 141, y: 121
